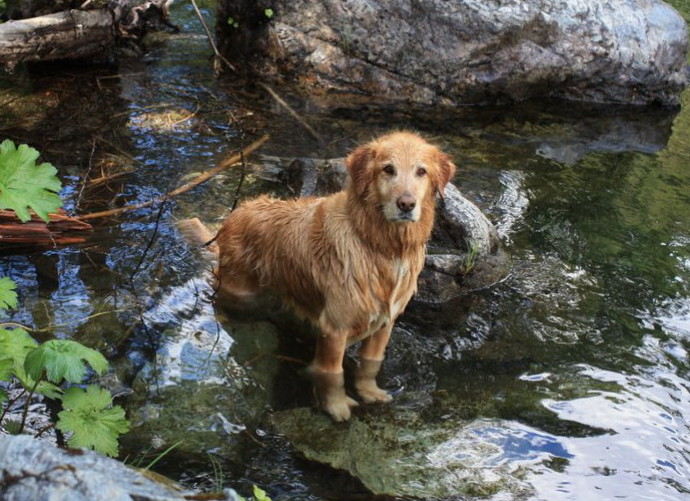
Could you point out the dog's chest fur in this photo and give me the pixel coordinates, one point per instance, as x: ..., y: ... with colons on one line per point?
x: 389, y: 306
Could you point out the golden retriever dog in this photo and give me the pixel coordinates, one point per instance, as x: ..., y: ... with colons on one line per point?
x: 347, y: 262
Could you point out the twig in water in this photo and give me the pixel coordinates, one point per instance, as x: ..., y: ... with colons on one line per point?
x: 150, y: 242
x: 10, y: 403
x: 243, y: 173
x: 292, y: 112
x: 219, y: 56
x: 44, y: 429
x: 201, y: 178
x: 86, y: 176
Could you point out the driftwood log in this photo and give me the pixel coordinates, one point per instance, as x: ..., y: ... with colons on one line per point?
x: 76, y: 33
x: 60, y: 230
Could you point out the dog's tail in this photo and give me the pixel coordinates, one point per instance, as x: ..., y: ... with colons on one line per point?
x: 198, y: 235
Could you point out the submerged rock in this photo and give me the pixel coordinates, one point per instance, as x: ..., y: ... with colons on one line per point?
x: 399, y: 453
x: 466, y: 51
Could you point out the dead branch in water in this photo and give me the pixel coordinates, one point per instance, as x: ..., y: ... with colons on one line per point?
x: 60, y: 230
x: 201, y: 178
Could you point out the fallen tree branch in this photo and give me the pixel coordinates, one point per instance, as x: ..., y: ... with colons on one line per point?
x: 60, y: 230
x: 201, y: 178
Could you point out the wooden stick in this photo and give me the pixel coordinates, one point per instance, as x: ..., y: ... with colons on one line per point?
x: 292, y: 112
x: 223, y: 165
x: 218, y: 55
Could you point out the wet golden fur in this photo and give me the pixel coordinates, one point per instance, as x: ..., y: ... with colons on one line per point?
x: 347, y: 262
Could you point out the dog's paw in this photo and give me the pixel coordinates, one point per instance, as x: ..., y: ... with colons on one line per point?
x: 370, y: 393
x: 330, y: 393
x: 339, y: 408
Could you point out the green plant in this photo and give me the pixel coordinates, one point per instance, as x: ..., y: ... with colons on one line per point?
x: 8, y: 293
x: 163, y: 454
x: 26, y: 186
x: 218, y: 475
x: 88, y: 414
x: 258, y: 494
x: 470, y: 260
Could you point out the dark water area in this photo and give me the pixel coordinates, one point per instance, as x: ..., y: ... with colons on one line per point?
x: 569, y: 380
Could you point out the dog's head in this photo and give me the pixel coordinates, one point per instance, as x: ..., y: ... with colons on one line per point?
x: 398, y: 172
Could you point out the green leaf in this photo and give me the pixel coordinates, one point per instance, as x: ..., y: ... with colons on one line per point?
x: 63, y: 359
x: 8, y: 293
x: 260, y: 494
x: 268, y: 13
x: 92, y: 420
x: 25, y: 185
x: 15, y: 344
x: 6, y: 368
x: 44, y: 388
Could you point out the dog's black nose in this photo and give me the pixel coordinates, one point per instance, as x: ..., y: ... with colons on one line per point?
x: 406, y: 203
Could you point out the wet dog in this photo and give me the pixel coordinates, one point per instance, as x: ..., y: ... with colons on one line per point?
x: 348, y: 262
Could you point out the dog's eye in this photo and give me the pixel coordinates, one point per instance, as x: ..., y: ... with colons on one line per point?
x: 421, y: 171
x: 389, y: 169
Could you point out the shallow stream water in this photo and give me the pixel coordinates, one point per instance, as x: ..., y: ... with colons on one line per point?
x: 571, y: 377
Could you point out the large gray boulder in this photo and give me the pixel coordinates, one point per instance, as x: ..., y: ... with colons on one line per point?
x: 464, y: 51
x: 36, y: 470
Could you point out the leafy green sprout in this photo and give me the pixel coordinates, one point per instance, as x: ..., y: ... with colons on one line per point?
x: 218, y: 475
x: 470, y: 260
x: 258, y: 494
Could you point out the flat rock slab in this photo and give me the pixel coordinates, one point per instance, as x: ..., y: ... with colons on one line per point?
x: 399, y: 453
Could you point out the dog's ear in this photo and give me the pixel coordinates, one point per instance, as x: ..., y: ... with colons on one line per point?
x: 357, y: 164
x: 446, y: 171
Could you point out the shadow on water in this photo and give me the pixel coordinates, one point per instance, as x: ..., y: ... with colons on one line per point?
x: 568, y: 380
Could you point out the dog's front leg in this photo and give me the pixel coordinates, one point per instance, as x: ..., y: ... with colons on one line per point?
x: 370, y: 359
x: 326, y: 372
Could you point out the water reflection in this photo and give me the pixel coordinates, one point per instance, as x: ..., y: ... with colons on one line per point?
x: 645, y: 454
